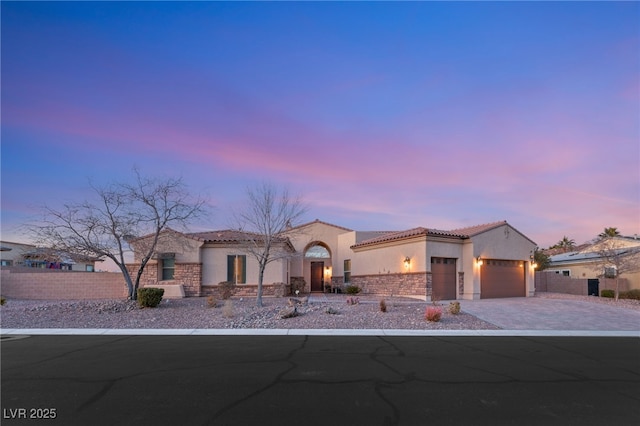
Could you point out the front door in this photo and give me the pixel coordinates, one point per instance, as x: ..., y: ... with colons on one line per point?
x: 317, y: 271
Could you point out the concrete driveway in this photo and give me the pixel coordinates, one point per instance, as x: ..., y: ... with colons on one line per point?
x: 532, y: 313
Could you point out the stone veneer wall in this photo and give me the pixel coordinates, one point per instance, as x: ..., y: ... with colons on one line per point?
x: 249, y: 290
x: 189, y: 275
x: 408, y: 284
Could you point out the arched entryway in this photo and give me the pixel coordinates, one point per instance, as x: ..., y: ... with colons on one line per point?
x: 317, y: 260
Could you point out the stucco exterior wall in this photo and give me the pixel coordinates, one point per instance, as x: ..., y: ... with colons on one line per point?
x: 308, y: 235
x: 504, y: 243
x: 214, y: 266
x: 187, y: 250
x: 389, y: 258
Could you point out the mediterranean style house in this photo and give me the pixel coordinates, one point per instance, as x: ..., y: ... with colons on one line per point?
x: 484, y: 261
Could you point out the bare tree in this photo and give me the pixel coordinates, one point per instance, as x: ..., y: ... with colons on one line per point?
x: 615, y: 259
x: 267, y: 216
x: 119, y: 213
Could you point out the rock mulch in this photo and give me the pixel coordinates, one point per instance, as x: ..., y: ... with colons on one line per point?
x: 235, y: 313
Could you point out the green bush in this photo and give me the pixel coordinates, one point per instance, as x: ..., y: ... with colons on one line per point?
x: 352, y: 289
x: 2, y: 301
x: 149, y: 297
x: 608, y: 293
x: 454, y: 308
x: 631, y: 294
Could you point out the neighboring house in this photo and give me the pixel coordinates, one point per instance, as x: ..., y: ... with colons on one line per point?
x: 30, y: 256
x: 587, y: 263
x: 485, y: 261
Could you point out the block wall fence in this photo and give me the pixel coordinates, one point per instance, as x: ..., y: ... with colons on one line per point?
x: 548, y: 281
x: 26, y: 283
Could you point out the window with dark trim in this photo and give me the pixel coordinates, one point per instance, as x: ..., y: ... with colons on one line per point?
x: 168, y: 269
x: 347, y: 271
x: 237, y: 268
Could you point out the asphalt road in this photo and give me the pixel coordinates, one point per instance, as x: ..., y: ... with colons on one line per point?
x: 320, y: 380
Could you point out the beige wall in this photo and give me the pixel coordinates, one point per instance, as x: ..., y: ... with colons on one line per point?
x: 214, y: 266
x: 22, y: 283
x: 318, y: 232
x: 503, y: 243
x: 187, y: 250
x: 388, y: 258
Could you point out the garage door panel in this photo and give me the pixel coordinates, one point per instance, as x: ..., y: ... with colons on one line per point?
x: 443, y: 278
x: 502, y: 278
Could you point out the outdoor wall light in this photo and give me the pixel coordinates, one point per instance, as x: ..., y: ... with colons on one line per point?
x: 534, y: 265
x: 407, y: 262
x: 479, y: 261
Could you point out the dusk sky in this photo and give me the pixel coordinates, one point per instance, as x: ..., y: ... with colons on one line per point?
x: 383, y: 116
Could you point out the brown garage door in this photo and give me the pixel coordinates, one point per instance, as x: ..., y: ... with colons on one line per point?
x: 501, y: 278
x: 443, y: 278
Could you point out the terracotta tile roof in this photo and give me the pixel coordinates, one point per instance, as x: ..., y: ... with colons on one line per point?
x: 460, y: 233
x: 228, y: 236
x: 322, y: 222
x: 470, y: 231
x: 409, y: 233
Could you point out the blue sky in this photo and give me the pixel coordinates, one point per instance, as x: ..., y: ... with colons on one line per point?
x: 381, y: 115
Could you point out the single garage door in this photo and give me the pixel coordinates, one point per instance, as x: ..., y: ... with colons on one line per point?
x: 443, y: 278
x: 502, y: 278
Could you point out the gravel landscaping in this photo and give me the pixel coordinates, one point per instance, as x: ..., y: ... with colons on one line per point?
x: 238, y: 313
x: 189, y: 313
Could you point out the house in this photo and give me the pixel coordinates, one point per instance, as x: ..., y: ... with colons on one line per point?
x: 484, y: 261
x: 588, y: 262
x: 30, y: 256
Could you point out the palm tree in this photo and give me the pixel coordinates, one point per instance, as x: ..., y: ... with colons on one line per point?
x: 609, y: 232
x: 566, y: 244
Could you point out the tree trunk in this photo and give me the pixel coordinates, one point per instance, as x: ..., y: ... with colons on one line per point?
x: 260, y: 278
x: 617, y: 291
x: 127, y: 279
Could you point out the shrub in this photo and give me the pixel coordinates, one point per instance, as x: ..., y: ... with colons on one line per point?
x: 227, y: 309
x: 352, y: 289
x: 631, y: 294
x: 332, y: 311
x: 433, y: 314
x: 149, y: 297
x: 383, y: 306
x: 353, y: 301
x: 2, y: 301
x: 227, y: 289
x: 607, y: 293
x: 212, y: 302
x: 454, y: 308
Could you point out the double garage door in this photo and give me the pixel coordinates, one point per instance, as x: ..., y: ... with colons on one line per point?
x: 502, y: 278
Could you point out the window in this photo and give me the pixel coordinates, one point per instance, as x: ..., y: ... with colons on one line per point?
x: 566, y: 273
x: 89, y: 268
x: 347, y: 271
x: 318, y: 252
x: 168, y: 269
x: 237, y: 268
x: 7, y: 262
